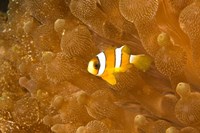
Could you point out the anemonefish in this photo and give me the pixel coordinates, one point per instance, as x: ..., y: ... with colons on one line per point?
x: 114, y: 60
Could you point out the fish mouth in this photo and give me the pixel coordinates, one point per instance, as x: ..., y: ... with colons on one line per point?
x: 89, y: 70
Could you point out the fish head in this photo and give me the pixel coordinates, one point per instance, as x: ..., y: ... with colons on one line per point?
x: 93, y: 66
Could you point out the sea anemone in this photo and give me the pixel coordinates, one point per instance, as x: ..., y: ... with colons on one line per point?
x: 45, y: 48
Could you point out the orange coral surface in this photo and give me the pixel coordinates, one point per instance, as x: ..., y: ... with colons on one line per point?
x: 45, y: 47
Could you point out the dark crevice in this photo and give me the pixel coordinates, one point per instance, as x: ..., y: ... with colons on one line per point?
x: 4, y: 5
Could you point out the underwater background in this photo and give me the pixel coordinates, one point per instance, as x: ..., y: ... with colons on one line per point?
x: 45, y: 47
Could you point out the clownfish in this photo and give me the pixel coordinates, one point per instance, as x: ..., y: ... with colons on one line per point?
x: 114, y: 60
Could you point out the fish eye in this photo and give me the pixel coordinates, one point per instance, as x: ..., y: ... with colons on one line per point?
x: 96, y: 65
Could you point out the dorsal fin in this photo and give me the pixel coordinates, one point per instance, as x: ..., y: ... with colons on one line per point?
x: 126, y: 49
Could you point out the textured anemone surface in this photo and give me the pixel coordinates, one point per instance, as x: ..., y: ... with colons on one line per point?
x: 45, y: 47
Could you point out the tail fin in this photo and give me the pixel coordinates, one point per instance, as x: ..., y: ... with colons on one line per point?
x: 142, y: 62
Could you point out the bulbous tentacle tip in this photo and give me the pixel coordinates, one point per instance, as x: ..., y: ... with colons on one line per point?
x: 47, y: 120
x: 82, y: 97
x: 57, y: 101
x: 81, y: 129
x: 140, y: 120
x: 163, y: 39
x: 187, y: 109
x: 168, y: 103
x: 23, y: 81
x: 183, y: 89
x: 172, y: 130
x: 48, y: 56
x: 59, y: 25
x: 60, y: 128
x: 30, y: 85
x: 28, y: 26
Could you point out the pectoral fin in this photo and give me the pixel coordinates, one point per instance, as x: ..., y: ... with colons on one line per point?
x: 110, y: 79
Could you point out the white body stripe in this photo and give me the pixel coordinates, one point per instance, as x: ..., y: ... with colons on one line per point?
x: 102, y: 60
x: 118, y: 57
x: 131, y: 59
